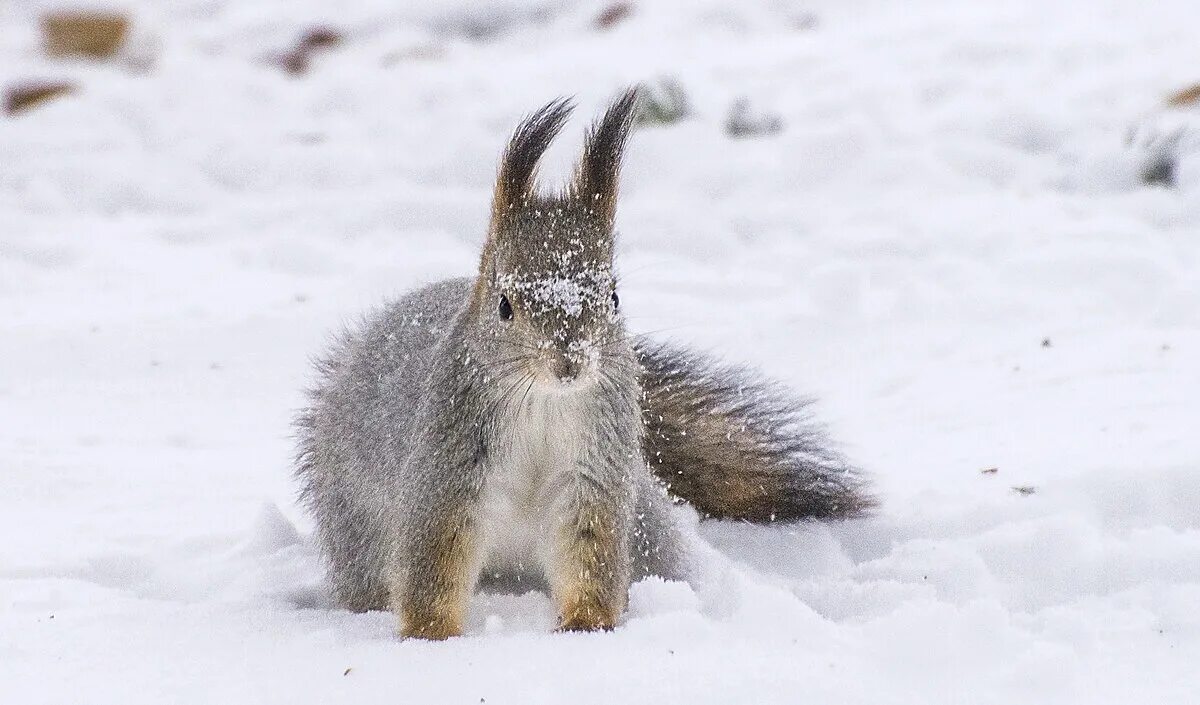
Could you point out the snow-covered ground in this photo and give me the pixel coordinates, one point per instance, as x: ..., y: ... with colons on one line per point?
x: 950, y: 243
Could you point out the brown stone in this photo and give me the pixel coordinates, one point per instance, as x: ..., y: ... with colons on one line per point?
x: 1187, y: 96
x: 94, y: 34
x: 26, y: 96
x: 320, y: 37
x: 613, y: 14
x: 294, y: 61
x: 297, y: 60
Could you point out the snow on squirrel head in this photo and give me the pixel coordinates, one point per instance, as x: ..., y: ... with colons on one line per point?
x: 546, y: 296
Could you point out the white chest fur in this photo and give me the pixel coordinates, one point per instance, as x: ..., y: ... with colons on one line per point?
x: 531, y: 479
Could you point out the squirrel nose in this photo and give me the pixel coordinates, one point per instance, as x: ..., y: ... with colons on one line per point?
x: 565, y: 367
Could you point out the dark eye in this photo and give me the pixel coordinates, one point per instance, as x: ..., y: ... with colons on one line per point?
x: 505, y: 308
x: 616, y: 301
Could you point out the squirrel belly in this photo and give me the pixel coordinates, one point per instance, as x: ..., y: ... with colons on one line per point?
x: 528, y: 482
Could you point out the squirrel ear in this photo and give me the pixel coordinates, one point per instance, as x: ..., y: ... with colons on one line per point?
x: 514, y: 184
x: 596, y: 178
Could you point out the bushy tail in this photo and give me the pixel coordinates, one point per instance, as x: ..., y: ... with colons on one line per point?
x: 736, y: 446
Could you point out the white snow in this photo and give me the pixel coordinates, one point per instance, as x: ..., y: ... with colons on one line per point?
x: 955, y: 182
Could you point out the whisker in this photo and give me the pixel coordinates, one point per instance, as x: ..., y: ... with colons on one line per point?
x: 502, y: 401
x: 528, y: 387
x: 514, y: 343
x: 503, y: 365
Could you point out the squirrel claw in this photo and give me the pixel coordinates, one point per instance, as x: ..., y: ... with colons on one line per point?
x: 578, y: 624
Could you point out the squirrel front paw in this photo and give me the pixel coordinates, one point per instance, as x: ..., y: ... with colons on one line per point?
x: 586, y: 615
x: 434, y: 627
x: 583, y: 625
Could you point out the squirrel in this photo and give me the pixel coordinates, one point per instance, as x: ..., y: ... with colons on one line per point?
x: 507, y: 427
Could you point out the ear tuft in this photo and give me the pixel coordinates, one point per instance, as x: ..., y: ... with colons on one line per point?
x: 599, y: 168
x: 514, y: 184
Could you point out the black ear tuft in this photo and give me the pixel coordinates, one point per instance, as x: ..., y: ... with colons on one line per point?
x: 519, y: 164
x: 596, y: 180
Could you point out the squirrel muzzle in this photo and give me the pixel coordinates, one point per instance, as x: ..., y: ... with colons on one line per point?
x: 569, y: 364
x: 566, y: 368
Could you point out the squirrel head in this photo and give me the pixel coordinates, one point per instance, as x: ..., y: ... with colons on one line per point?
x: 546, y: 295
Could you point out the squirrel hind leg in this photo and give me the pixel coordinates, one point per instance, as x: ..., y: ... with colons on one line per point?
x: 360, y: 596
x: 434, y: 587
x: 658, y: 545
x: 352, y: 551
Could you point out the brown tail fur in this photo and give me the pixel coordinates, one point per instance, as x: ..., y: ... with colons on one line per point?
x: 736, y: 446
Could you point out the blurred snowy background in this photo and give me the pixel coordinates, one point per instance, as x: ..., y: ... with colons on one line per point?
x: 971, y: 228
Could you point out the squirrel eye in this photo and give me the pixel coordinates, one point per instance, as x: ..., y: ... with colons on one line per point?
x: 616, y: 301
x: 506, y: 312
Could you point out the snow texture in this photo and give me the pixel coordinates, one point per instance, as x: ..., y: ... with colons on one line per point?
x: 976, y: 238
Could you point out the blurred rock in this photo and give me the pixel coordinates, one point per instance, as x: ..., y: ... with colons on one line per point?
x: 1185, y: 98
x: 663, y: 103
x: 297, y: 60
x: 1160, y: 168
x: 92, y: 33
x: 26, y: 96
x: 742, y: 122
x: 485, y: 22
x: 613, y: 15
x: 1157, y: 147
x: 294, y: 61
x: 805, y: 21
x: 320, y: 37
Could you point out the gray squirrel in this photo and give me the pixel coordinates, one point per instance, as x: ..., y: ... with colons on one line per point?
x: 507, y: 427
